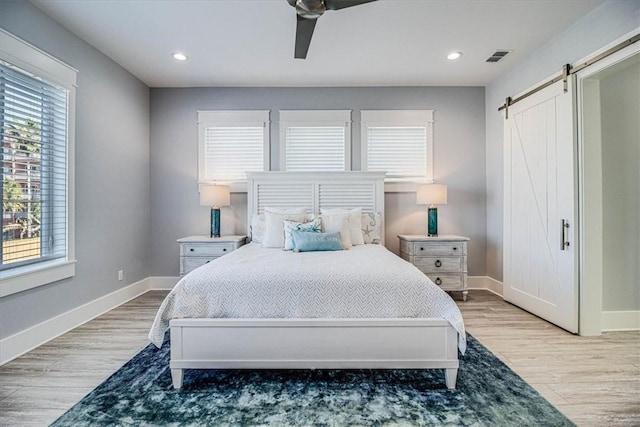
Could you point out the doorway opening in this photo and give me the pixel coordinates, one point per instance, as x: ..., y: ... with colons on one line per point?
x: 609, y: 180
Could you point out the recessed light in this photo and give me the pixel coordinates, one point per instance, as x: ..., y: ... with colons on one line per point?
x: 179, y: 56
x: 454, y: 55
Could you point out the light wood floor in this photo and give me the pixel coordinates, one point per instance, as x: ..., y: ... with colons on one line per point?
x: 595, y: 381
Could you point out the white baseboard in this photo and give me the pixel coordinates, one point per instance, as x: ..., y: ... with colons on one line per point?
x: 485, y: 283
x: 24, y: 341
x: 162, y: 283
x: 620, y: 321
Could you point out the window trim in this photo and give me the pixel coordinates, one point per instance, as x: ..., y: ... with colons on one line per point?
x: 33, y: 60
x: 311, y: 118
x: 209, y: 118
x: 397, y: 118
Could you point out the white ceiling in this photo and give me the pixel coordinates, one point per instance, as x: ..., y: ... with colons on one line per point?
x: 250, y: 42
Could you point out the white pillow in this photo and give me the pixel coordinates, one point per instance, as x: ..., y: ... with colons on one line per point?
x: 355, y: 222
x: 338, y: 222
x: 311, y: 226
x: 274, y: 228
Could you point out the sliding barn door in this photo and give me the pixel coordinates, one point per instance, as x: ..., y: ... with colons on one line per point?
x: 539, y: 214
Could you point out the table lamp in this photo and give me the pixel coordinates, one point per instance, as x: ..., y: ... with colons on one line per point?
x: 215, y: 196
x: 432, y: 195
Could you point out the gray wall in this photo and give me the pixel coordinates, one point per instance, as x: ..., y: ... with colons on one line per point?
x: 620, y: 106
x: 603, y: 25
x: 112, y: 174
x: 459, y: 153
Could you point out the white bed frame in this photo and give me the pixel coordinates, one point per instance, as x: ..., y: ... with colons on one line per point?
x: 314, y: 343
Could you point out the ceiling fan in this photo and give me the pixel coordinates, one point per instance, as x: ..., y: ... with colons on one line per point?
x: 308, y: 12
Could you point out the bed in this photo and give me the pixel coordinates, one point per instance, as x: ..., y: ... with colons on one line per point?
x: 266, y: 308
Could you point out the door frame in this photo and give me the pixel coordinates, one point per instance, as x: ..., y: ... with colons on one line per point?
x: 590, y: 274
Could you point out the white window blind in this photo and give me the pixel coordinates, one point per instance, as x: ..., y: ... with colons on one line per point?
x: 231, y: 151
x: 319, y: 148
x: 316, y: 140
x: 232, y: 143
x: 33, y: 117
x: 400, y: 151
x: 398, y: 142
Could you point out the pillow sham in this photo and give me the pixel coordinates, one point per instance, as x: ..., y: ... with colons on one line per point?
x: 371, y: 224
x: 258, y: 228
x: 309, y: 227
x: 297, y: 210
x: 338, y: 223
x: 274, y: 228
x: 355, y: 222
x: 309, y: 242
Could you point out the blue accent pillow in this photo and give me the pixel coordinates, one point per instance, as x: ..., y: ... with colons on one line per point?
x: 312, y: 226
x: 309, y: 241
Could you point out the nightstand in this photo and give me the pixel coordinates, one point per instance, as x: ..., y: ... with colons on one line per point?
x: 199, y: 250
x: 442, y: 258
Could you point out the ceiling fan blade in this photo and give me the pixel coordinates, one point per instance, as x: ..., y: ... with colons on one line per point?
x: 341, y: 4
x: 304, y: 31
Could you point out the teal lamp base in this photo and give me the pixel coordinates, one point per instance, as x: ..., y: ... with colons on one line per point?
x: 432, y: 222
x: 215, y: 222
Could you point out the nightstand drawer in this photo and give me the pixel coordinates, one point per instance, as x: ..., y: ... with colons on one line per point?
x: 191, y: 263
x: 199, y: 250
x: 439, y: 264
x: 440, y: 248
x: 448, y: 282
x: 206, y: 250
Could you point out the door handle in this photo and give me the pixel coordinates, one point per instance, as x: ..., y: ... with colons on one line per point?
x: 565, y: 235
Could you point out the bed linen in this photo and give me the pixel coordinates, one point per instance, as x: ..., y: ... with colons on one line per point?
x: 366, y: 281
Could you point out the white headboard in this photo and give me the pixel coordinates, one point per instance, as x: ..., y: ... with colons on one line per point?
x: 314, y: 191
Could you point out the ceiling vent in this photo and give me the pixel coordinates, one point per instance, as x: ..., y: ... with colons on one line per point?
x: 498, y: 55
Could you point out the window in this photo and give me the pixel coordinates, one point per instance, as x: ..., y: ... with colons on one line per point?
x: 231, y: 143
x: 317, y: 140
x: 399, y: 142
x: 37, y: 95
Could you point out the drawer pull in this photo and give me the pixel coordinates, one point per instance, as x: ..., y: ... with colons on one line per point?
x: 438, y: 281
x: 208, y: 262
x: 421, y: 248
x: 191, y: 249
x: 224, y: 249
x: 438, y: 263
x: 455, y: 248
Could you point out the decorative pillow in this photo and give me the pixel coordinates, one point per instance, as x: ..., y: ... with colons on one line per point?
x: 274, y: 230
x: 307, y: 242
x: 258, y: 228
x: 309, y: 227
x: 355, y: 223
x: 371, y: 223
x: 332, y: 223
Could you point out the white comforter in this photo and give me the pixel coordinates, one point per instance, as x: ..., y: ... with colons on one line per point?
x: 366, y: 281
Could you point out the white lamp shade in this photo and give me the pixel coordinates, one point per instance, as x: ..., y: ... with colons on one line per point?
x: 215, y: 195
x: 431, y: 194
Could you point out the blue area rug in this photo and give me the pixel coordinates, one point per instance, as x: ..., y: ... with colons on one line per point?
x: 488, y: 393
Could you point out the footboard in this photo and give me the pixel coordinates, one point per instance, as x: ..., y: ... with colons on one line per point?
x: 313, y: 344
